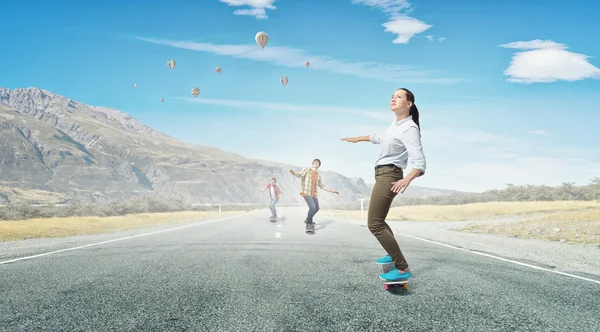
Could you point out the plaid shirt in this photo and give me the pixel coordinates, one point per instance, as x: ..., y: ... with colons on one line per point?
x: 306, y: 184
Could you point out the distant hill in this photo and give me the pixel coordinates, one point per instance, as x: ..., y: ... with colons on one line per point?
x: 57, y: 150
x: 420, y: 192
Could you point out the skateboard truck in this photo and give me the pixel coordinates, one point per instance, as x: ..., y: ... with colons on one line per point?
x: 387, y: 284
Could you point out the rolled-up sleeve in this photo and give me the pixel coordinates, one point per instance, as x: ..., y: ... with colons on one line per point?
x: 411, y: 138
x: 375, y: 138
x: 301, y: 174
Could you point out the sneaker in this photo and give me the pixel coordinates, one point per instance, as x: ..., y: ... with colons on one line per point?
x: 394, y: 274
x: 385, y: 260
x: 310, y: 228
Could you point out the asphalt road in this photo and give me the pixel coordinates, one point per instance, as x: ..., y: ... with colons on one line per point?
x: 247, y: 274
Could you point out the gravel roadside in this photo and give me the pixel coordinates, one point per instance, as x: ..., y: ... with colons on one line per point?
x: 579, y: 259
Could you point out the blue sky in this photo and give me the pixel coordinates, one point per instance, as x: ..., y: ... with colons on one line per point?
x: 508, y: 93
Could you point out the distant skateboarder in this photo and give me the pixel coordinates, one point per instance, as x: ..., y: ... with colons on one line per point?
x: 274, y: 193
x: 308, y: 189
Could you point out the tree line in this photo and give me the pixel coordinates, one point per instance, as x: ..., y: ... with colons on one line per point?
x: 151, y: 204
x: 567, y: 191
x: 140, y: 204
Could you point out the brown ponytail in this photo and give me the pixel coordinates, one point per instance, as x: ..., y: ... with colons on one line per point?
x: 414, y: 111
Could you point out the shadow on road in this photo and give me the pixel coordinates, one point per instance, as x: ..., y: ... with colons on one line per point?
x: 399, y: 291
x: 321, y: 224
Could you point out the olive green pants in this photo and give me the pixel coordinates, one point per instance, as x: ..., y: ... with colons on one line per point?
x: 379, y: 206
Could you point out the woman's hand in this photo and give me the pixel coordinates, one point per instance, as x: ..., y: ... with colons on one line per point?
x: 400, y: 185
x: 351, y: 139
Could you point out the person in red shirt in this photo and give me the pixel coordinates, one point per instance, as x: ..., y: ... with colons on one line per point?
x: 275, y: 193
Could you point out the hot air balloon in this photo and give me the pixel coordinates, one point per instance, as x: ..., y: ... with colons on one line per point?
x: 284, y: 80
x: 218, y: 70
x: 135, y: 85
x: 262, y: 38
x: 307, y: 64
x: 161, y: 100
x: 171, y: 64
x: 195, y: 91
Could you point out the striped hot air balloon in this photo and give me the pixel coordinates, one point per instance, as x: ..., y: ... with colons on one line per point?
x: 284, y: 80
x: 218, y: 70
x: 171, y: 64
x: 262, y: 39
x: 195, y: 91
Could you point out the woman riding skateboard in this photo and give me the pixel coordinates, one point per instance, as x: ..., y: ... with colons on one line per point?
x: 400, y: 145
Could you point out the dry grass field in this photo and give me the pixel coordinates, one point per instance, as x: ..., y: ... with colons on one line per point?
x: 568, y: 226
x: 569, y: 221
x: 23, y: 195
x: 72, y: 226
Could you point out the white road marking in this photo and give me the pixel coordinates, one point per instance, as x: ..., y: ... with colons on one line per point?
x: 119, y: 239
x: 503, y: 259
x: 499, y: 258
x: 277, y: 235
x: 278, y: 225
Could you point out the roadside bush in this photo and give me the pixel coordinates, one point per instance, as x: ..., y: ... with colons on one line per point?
x: 527, y: 193
x: 140, y: 204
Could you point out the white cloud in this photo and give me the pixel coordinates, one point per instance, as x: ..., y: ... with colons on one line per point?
x: 451, y: 137
x: 474, y: 160
x: 400, y: 23
x: 257, y: 7
x: 464, y: 158
x: 477, y: 163
x: 295, y: 58
x: 545, y: 61
x: 541, y: 132
x: 405, y: 27
x: 523, y: 170
x: 386, y: 6
x: 285, y: 107
x: 431, y: 37
x: 382, y: 115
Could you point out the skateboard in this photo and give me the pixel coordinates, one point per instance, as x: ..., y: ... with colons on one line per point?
x: 385, y: 268
x: 388, y: 284
x: 273, y: 219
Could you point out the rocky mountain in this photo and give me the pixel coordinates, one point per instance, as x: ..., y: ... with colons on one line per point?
x: 54, y: 149
x: 412, y: 191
